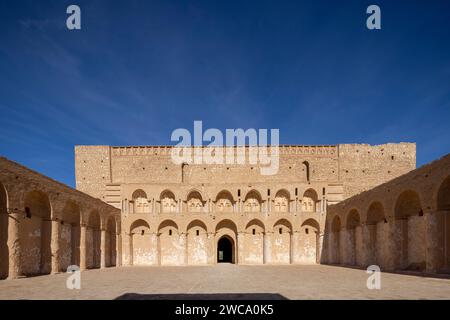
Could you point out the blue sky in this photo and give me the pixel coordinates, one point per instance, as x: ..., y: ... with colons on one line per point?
x: 140, y: 69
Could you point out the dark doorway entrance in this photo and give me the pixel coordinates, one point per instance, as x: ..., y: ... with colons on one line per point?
x: 225, y: 250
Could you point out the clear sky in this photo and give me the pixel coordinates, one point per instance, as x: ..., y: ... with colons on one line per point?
x: 137, y: 70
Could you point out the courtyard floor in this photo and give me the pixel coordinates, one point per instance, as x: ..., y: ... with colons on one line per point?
x: 227, y: 281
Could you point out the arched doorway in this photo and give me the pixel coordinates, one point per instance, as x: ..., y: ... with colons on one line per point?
x: 227, y: 229
x: 225, y: 252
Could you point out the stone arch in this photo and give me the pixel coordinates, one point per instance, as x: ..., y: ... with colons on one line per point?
x: 111, y: 242
x: 4, y: 251
x: 353, y: 219
x: 140, y: 201
x: 139, y: 225
x: 335, y: 240
x: 410, y: 226
x: 194, y: 201
x: 196, y: 223
x: 281, y: 245
x: 282, y: 201
x: 35, y: 234
x: 69, y: 243
x: 224, y: 201
x: 309, y: 242
x: 256, y: 223
x: 375, y: 213
x: 408, y: 204
x: 284, y: 223
x: 168, y: 202
x: 353, y: 238
x: 227, y: 229
x: 226, y: 223
x: 253, y: 201
x: 254, y: 242
x: 443, y: 219
x: 171, y: 243
x: 443, y: 195
x: 197, y: 243
x: 309, y: 200
x: 313, y: 224
x: 141, y: 241
x: 139, y: 193
x: 93, y: 240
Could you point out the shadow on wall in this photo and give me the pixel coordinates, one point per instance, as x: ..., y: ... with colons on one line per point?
x: 203, y: 296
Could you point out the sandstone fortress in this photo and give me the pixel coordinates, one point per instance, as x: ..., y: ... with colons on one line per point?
x: 349, y: 204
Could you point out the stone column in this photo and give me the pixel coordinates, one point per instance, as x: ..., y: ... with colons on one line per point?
x: 155, y: 247
x: 56, y: 226
x: 267, y: 242
x: 83, y: 247
x: 240, y: 247
x: 184, y: 246
x: 368, y: 244
x: 211, y: 248
x: 435, y: 231
x: 118, y: 250
x: 295, y: 239
x: 319, y: 248
x: 103, y: 249
x: 158, y: 247
x: 15, y: 252
x: 130, y: 249
x: 343, y: 245
x: 395, y: 257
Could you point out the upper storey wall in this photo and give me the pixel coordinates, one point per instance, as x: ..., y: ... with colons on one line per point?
x: 362, y: 167
x: 357, y: 166
x: 154, y: 165
x: 92, y: 169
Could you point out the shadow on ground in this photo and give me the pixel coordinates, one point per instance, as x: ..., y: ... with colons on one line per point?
x: 202, y: 296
